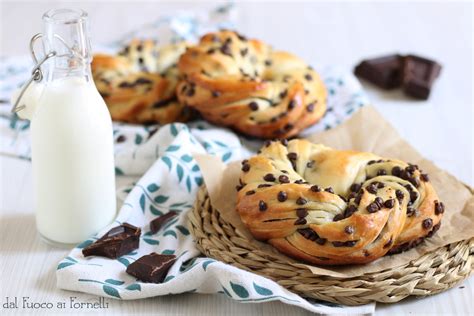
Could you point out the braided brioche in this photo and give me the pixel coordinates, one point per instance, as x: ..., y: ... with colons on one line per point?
x: 139, y: 84
x: 244, y: 84
x: 334, y: 207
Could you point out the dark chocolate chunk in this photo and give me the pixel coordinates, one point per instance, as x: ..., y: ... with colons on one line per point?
x: 418, y: 76
x: 413, y: 196
x: 291, y: 104
x: 338, y: 217
x: 226, y: 50
x: 427, y: 223
x: 292, y: 156
x: 439, y: 207
x: 424, y: 177
x: 396, y: 171
x: 156, y: 224
x: 151, y: 268
x: 410, y: 211
x: 308, y: 77
x: 321, y: 241
x: 300, y: 221
x: 215, y: 94
x: 115, y: 243
x: 405, y: 175
x: 288, y: 126
x: 372, y: 207
x: 282, y: 196
x: 301, y: 201
x: 389, y: 203
x: 283, y: 94
x: 253, y: 106
x: 349, y: 243
x: 307, y: 233
x: 163, y: 103
x: 316, y: 188
x: 269, y: 177
x: 140, y: 81
x: 329, y: 189
x: 310, y: 164
x: 262, y: 206
x: 355, y: 187
x: 250, y: 192
x: 301, y: 212
x: 244, y: 51
x: 264, y: 185
x: 310, y: 107
x: 121, y: 139
x: 359, y: 197
x: 405, y: 246
x: 372, y: 188
x: 351, y: 209
x: 385, y: 72
x: 434, y: 230
x: 389, y: 243
x: 399, y: 195
x: 283, y: 179
x: 125, y: 84
x: 379, y: 202
x: 246, y: 168
x: 415, y: 182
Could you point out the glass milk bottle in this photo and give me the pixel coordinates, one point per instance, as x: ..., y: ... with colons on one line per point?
x: 72, y: 137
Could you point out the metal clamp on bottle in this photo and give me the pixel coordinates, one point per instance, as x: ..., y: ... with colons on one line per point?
x: 36, y: 73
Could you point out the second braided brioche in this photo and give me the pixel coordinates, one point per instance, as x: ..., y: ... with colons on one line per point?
x: 244, y: 84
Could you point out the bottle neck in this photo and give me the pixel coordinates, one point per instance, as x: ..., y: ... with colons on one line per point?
x: 66, y: 32
x: 52, y: 72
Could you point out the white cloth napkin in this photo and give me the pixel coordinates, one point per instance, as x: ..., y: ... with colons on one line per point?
x: 171, y: 184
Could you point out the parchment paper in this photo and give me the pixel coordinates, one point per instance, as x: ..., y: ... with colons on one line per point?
x: 367, y: 130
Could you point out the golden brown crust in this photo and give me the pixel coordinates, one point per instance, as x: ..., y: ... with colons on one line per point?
x: 244, y: 84
x: 374, y: 205
x: 139, y: 84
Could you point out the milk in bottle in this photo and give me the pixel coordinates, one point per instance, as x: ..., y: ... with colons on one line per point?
x: 72, y: 137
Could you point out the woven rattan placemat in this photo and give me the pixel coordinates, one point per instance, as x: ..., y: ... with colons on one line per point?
x: 432, y: 273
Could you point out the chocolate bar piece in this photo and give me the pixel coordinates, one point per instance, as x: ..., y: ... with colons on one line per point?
x: 418, y: 76
x: 156, y: 224
x: 116, y: 242
x: 151, y: 268
x: 384, y: 72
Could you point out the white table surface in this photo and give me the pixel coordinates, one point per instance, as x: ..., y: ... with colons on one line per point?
x: 323, y: 33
